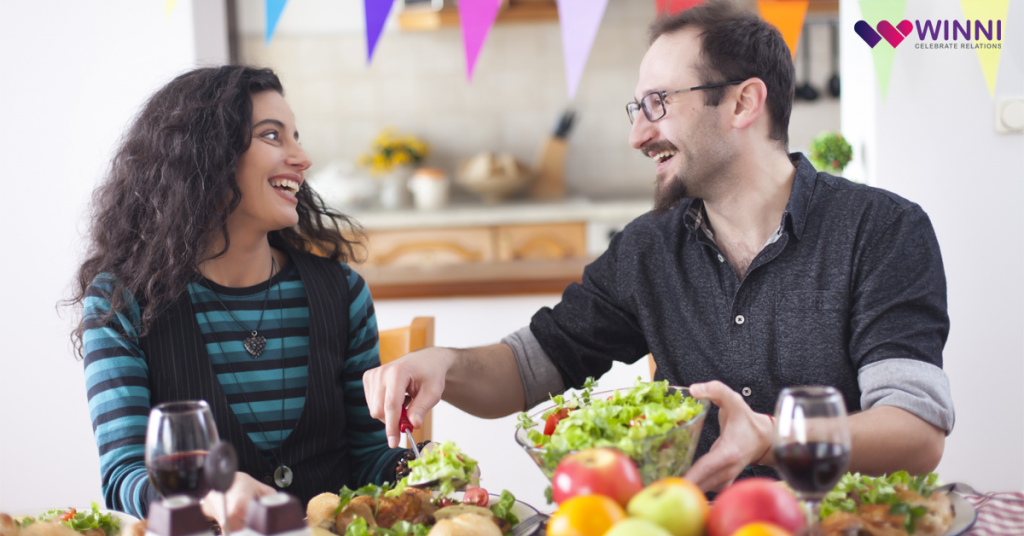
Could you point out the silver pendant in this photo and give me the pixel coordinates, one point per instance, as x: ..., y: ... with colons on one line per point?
x: 283, y: 476
x: 255, y: 344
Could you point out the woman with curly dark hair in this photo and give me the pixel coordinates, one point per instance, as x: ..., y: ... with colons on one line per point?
x: 201, y: 283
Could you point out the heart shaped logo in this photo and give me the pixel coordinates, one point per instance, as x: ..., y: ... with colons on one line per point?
x: 867, y: 33
x: 895, y: 34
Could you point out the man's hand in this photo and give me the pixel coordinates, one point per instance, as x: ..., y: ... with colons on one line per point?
x: 244, y: 489
x: 744, y: 438
x: 420, y: 374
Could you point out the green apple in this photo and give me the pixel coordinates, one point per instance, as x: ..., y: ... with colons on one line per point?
x: 636, y: 527
x: 675, y: 504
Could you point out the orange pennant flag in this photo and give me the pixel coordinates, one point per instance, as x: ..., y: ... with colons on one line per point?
x: 787, y: 16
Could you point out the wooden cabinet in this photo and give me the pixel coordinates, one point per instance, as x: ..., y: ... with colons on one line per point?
x: 436, y: 247
x: 482, y: 260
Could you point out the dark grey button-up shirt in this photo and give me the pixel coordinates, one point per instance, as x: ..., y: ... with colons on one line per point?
x: 850, y: 292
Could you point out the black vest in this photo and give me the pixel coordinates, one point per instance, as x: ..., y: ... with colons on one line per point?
x: 316, y: 449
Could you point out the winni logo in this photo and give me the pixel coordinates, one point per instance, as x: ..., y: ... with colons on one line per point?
x: 931, y: 30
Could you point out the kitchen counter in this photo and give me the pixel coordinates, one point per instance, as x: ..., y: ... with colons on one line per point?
x: 519, y: 247
x: 508, y: 213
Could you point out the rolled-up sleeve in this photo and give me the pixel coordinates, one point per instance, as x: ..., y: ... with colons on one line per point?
x: 910, y: 384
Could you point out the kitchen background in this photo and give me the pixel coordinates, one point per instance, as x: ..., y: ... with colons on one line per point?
x: 417, y: 84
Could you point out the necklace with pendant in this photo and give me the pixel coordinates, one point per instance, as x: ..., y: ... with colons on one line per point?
x: 283, y: 475
x: 255, y: 343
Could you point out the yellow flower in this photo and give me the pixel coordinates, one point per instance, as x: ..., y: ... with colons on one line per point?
x: 390, y: 149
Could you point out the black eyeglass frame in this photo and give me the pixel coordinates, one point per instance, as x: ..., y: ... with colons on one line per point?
x: 633, y: 107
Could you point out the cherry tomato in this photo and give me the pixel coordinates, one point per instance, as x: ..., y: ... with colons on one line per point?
x: 66, y: 516
x: 445, y: 501
x: 552, y: 422
x: 586, y: 515
x: 476, y: 497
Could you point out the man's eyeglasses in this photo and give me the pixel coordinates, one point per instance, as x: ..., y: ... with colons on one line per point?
x: 653, y: 104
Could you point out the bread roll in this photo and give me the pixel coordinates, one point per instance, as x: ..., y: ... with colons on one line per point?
x: 135, y: 529
x: 467, y: 524
x: 7, y: 526
x: 320, y: 511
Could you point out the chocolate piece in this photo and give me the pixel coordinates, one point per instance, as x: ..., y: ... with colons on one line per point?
x: 275, y: 514
x: 176, y: 516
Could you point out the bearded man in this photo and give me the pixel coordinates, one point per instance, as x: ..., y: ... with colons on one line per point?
x: 753, y: 272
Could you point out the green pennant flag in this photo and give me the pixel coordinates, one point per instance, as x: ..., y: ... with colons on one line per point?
x: 873, y: 12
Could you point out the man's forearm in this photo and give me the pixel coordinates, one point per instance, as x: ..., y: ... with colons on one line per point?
x: 887, y: 439
x: 485, y: 382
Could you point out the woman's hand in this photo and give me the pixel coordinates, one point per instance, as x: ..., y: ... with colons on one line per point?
x: 243, y: 489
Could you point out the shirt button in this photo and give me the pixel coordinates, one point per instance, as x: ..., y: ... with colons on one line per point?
x: 740, y: 320
x: 746, y: 391
x: 268, y: 479
x: 721, y: 258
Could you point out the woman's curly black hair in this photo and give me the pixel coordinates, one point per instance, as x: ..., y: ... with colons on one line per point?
x: 171, y: 187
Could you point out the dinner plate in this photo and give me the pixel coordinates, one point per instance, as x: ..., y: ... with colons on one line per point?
x: 520, y: 509
x: 126, y: 519
x: 964, y: 515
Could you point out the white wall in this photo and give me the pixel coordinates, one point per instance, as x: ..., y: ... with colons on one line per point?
x: 933, y: 141
x: 74, y: 74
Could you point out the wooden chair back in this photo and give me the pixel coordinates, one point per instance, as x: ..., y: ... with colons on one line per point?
x: 395, y: 343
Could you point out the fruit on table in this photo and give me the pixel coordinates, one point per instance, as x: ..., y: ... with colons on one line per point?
x: 675, y: 504
x: 586, y: 515
x: 603, y: 471
x: 635, y: 526
x: 761, y: 528
x: 754, y: 499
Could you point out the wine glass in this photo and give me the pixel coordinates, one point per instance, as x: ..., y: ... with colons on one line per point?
x: 178, y: 439
x: 811, y: 445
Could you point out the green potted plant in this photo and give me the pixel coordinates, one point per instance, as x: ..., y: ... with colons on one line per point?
x: 830, y: 152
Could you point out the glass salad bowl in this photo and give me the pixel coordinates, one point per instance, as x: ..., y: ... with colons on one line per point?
x: 660, y: 446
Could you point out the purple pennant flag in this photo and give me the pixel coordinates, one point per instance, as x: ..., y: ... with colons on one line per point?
x: 274, y: 9
x: 477, y: 17
x: 376, y: 14
x: 579, y: 20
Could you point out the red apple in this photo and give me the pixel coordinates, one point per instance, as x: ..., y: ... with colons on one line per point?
x: 754, y: 499
x: 603, y: 471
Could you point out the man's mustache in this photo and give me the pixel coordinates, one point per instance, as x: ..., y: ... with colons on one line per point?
x: 657, y: 147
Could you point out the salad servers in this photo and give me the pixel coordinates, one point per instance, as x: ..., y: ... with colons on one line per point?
x: 405, y: 426
x: 531, y: 525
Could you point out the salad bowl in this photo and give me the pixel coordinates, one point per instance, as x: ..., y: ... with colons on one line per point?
x: 659, y: 448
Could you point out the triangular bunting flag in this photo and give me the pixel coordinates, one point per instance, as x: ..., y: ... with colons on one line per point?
x: 274, y: 9
x: 671, y: 7
x: 787, y: 16
x: 476, y: 18
x: 985, y: 11
x: 169, y: 7
x: 579, y: 21
x: 376, y: 14
x: 872, y: 12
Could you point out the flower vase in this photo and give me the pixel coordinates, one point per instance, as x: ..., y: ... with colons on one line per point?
x: 394, y: 190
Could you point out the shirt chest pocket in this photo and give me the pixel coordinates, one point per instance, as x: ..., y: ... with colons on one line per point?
x: 812, y: 338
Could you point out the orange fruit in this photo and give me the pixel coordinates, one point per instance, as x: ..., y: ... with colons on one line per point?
x: 761, y: 528
x: 585, y: 515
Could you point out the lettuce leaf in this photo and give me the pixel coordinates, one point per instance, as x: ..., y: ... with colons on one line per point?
x: 880, y: 490
x: 446, y: 464
x: 504, y: 507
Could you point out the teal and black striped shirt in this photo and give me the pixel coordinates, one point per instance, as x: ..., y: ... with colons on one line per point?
x: 267, y: 393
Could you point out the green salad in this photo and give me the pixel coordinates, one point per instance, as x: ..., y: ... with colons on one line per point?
x: 80, y: 521
x: 446, y: 464
x: 642, y: 422
x: 855, y: 488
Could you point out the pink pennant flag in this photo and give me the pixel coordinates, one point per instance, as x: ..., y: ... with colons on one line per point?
x: 476, y: 17
x: 579, y: 20
x: 376, y: 14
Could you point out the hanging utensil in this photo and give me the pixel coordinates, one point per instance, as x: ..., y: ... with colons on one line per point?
x: 805, y: 91
x: 833, y: 82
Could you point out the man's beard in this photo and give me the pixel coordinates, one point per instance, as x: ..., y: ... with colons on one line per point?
x: 669, y: 195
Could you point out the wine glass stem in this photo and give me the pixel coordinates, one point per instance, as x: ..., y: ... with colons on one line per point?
x: 812, y: 509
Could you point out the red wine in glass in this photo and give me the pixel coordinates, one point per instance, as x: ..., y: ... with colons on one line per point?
x: 812, y: 468
x: 178, y: 437
x: 180, y: 474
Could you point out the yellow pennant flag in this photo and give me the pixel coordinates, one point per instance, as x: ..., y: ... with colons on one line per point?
x: 787, y: 16
x: 987, y: 17
x: 169, y: 7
